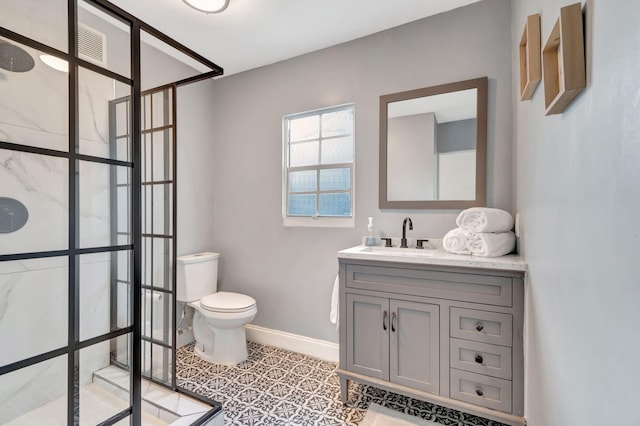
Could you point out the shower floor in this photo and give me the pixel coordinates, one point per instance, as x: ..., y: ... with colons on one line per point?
x: 108, y: 395
x: 98, y: 404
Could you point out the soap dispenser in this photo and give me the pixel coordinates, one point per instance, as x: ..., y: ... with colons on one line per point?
x: 371, y: 240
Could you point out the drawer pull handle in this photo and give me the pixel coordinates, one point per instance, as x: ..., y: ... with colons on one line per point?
x: 479, y: 326
x: 384, y: 321
x: 479, y: 392
x: 479, y: 359
x: 393, y: 320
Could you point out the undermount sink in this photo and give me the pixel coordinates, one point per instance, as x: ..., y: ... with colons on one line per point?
x: 396, y: 251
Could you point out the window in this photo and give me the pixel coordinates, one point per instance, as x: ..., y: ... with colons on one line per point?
x: 318, y: 167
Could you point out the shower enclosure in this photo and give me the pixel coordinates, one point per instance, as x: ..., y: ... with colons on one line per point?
x: 87, y: 205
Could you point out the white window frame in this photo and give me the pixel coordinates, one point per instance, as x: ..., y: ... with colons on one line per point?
x: 315, y: 221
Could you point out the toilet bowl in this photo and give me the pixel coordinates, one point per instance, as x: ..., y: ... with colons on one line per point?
x: 218, y: 326
x: 219, y: 317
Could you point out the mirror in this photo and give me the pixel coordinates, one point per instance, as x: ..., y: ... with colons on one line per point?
x: 433, y: 147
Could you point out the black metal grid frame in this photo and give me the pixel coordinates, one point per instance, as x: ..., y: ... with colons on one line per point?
x: 74, y: 344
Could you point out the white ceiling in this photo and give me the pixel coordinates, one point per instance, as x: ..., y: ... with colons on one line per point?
x: 254, y: 33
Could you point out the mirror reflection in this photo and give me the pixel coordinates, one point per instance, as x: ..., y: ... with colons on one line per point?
x: 433, y: 146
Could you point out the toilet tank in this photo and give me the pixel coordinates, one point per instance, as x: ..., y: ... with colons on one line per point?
x: 197, y: 276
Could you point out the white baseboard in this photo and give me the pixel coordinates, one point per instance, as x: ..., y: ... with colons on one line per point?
x: 315, y: 348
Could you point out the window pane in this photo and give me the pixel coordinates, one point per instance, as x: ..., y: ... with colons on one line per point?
x: 339, y: 150
x: 335, y: 179
x: 302, y: 205
x: 304, y: 181
x: 337, y: 123
x: 303, y: 154
x: 304, y: 128
x: 335, y: 204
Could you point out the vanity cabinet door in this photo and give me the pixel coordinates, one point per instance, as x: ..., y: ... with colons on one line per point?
x: 368, y: 330
x: 415, y: 348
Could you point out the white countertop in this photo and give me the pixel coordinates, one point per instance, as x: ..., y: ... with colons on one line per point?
x: 432, y: 255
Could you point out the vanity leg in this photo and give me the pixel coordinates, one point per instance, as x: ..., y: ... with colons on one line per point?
x: 344, y: 389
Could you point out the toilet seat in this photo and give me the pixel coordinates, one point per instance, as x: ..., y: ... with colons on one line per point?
x: 227, y: 302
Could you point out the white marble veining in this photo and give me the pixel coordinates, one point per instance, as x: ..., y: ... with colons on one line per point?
x: 41, y: 184
x: 433, y: 254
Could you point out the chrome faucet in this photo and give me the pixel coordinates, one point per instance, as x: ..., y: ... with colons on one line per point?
x: 403, y: 242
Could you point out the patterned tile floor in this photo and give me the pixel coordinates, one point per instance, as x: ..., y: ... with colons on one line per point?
x: 278, y: 387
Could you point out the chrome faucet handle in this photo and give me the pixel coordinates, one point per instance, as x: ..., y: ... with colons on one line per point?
x: 419, y: 243
x: 387, y: 242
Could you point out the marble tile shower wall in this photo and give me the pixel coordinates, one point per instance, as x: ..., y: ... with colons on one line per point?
x: 34, y: 293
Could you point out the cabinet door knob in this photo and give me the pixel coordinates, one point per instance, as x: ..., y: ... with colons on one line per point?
x: 384, y: 320
x: 393, y: 320
x: 479, y: 359
x: 479, y: 326
x: 479, y: 392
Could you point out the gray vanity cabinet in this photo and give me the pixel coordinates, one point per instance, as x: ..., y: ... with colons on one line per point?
x: 450, y: 335
x: 393, y: 340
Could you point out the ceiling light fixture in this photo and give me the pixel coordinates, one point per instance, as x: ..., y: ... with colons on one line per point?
x: 208, y: 6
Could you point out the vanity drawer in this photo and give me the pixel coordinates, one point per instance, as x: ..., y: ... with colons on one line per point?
x: 481, y: 358
x: 486, y: 289
x: 482, y: 390
x: 481, y: 326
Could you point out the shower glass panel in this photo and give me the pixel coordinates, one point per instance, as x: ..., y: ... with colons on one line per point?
x: 35, y: 395
x: 41, y: 20
x: 104, y: 300
x: 158, y: 234
x: 34, y: 104
x: 40, y: 183
x: 34, y: 282
x: 103, y: 39
x: 98, y: 194
x: 97, y: 403
x: 96, y: 135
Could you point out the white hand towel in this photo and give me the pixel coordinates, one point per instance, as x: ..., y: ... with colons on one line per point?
x: 456, y: 241
x: 491, y: 244
x: 484, y: 219
x: 334, y: 313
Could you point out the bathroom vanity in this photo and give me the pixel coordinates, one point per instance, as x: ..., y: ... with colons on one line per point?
x: 439, y: 327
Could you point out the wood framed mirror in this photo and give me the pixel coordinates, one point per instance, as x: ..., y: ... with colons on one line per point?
x: 433, y: 147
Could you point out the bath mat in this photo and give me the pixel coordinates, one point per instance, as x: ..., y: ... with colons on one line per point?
x: 378, y: 415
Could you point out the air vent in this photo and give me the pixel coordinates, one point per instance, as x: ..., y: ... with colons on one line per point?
x: 92, y: 45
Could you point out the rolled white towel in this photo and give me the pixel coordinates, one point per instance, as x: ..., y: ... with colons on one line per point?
x: 484, y: 219
x: 334, y: 317
x: 456, y: 241
x: 491, y: 244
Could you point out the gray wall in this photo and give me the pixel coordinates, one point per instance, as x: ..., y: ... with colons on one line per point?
x: 236, y: 174
x: 457, y: 135
x: 194, y: 162
x: 578, y: 192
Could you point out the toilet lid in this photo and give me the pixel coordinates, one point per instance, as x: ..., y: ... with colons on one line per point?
x: 227, y: 302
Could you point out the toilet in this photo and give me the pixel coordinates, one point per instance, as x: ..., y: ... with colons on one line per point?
x: 219, y: 317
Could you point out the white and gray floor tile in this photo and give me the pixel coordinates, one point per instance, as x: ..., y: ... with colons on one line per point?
x: 278, y: 387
